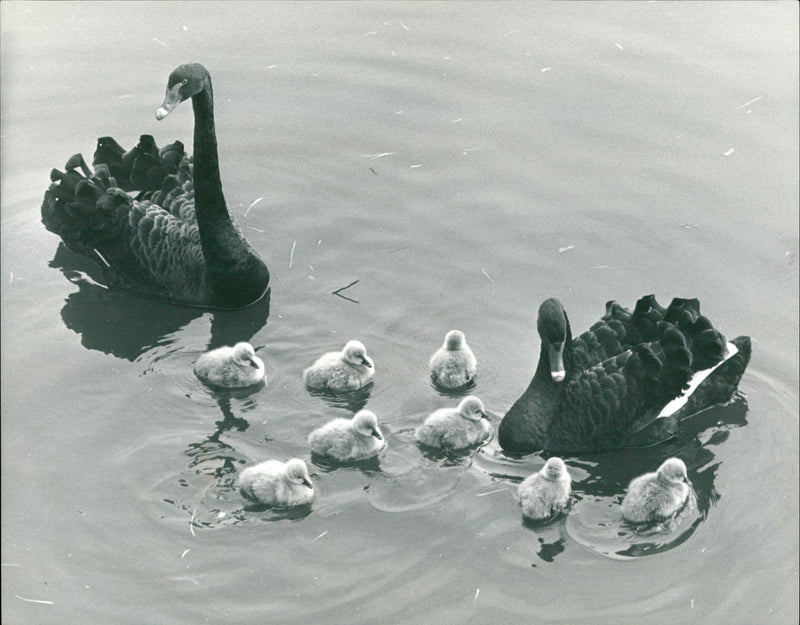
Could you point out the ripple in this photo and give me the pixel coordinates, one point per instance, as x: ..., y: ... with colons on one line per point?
x: 597, y: 524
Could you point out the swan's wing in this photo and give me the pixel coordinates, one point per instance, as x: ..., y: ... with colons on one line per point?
x: 605, y: 404
x: 619, y: 330
x: 149, y: 245
x: 153, y: 252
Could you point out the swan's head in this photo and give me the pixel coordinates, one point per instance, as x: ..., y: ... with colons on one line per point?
x: 184, y: 82
x: 366, y: 424
x: 297, y: 472
x: 245, y: 356
x: 553, y: 328
x: 672, y: 471
x: 472, y: 408
x: 455, y: 340
x: 356, y: 354
x: 554, y: 469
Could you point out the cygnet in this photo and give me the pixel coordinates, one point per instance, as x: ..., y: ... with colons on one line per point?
x: 657, y: 496
x: 358, y: 438
x: 230, y: 367
x: 456, y: 428
x: 546, y: 493
x: 274, y: 483
x: 347, y: 370
x: 453, y: 365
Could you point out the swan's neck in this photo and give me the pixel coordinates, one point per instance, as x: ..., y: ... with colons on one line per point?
x: 235, y: 273
x: 209, y: 199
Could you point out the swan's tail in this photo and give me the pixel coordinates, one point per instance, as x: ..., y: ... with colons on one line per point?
x: 82, y: 205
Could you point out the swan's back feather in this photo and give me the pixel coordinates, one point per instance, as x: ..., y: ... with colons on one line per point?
x: 605, y: 404
x: 148, y: 244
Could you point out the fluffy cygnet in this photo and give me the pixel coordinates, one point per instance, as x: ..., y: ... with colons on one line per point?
x: 657, y: 496
x: 358, y: 438
x: 274, y: 483
x: 453, y: 365
x: 231, y: 367
x: 456, y: 428
x: 347, y: 370
x: 545, y: 493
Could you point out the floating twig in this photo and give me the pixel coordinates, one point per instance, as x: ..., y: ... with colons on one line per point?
x: 404, y: 26
x: 184, y: 553
x: 291, y: 255
x: 191, y: 521
x: 564, y: 249
x: 42, y: 601
x: 338, y: 292
x: 477, y: 592
x: 729, y: 152
x: 376, y: 156
x: 483, y: 271
x: 492, y: 492
x: 320, y: 536
x: 256, y: 201
x: 748, y: 103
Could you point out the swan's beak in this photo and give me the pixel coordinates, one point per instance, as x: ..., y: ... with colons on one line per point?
x: 556, y: 354
x: 366, y: 363
x: 308, y: 483
x: 254, y: 364
x: 171, y: 100
x: 377, y: 435
x: 484, y: 416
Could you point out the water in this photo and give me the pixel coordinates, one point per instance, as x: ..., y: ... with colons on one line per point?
x: 462, y: 162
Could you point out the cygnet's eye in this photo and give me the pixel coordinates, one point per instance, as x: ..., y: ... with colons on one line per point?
x: 184, y: 81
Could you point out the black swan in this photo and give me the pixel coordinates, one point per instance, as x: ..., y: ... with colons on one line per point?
x: 625, y: 382
x: 175, y: 239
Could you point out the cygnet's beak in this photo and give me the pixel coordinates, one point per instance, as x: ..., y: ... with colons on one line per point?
x: 377, y: 434
x: 253, y: 364
x: 484, y: 416
x: 366, y: 362
x: 308, y: 483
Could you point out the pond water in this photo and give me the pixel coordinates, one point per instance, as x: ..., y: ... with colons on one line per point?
x: 457, y: 163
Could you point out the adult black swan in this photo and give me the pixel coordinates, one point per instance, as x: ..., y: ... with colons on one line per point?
x: 156, y: 220
x: 625, y: 382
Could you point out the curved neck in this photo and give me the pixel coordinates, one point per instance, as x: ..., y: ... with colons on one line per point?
x: 235, y: 273
x: 207, y: 182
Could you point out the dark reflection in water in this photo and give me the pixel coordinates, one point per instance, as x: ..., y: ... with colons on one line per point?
x: 454, y: 392
x: 369, y: 466
x: 349, y: 400
x: 124, y: 325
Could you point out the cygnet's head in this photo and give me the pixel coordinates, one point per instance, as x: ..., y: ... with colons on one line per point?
x: 245, y: 355
x: 454, y: 340
x: 355, y: 353
x: 673, y: 470
x: 297, y: 472
x: 366, y: 423
x: 472, y: 408
x: 554, y: 469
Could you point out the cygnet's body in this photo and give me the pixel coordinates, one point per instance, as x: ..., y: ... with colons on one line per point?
x: 274, y: 483
x: 456, y: 428
x: 347, y: 370
x: 230, y: 367
x: 453, y: 365
x: 546, y: 493
x: 657, y: 496
x: 358, y: 438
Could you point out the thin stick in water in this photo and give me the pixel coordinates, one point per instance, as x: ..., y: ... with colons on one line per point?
x: 291, y: 256
x: 42, y: 601
x: 338, y: 292
x: 191, y: 521
x: 252, y: 205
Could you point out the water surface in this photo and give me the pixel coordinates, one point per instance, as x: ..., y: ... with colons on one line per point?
x: 461, y: 162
